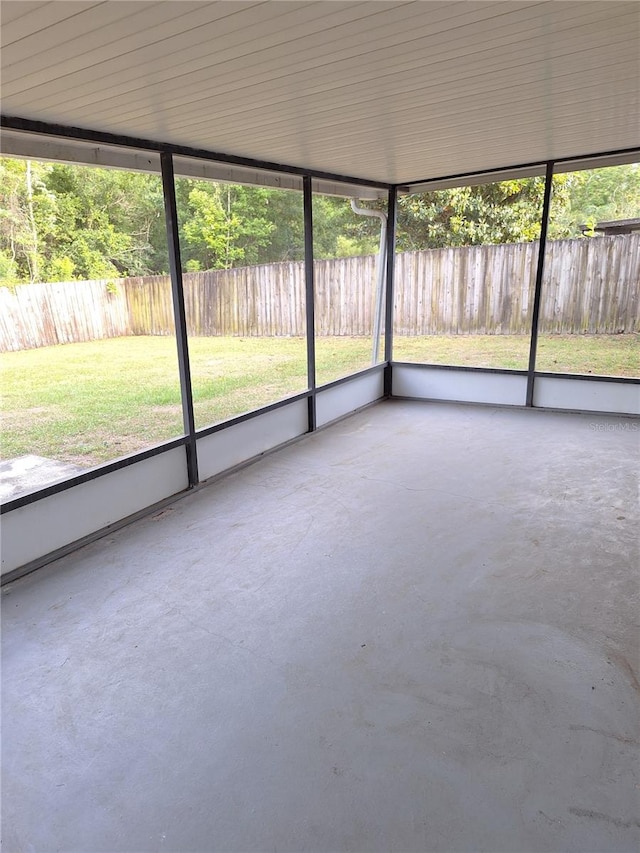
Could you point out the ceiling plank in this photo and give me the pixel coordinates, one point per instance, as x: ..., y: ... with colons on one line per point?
x: 394, y: 91
x: 11, y: 11
x: 40, y: 17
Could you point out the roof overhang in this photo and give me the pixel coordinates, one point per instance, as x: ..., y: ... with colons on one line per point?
x: 388, y: 92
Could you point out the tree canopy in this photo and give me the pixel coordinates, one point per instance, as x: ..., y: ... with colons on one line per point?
x: 63, y: 222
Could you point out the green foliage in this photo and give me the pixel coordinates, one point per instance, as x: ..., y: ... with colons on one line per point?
x: 510, y: 211
x: 503, y: 212
x: 225, y: 226
x: 205, y: 230
x: 25, y: 218
x: 109, y: 222
x: 596, y: 195
x: 339, y: 232
x: 349, y: 247
x: 60, y: 268
x: 61, y: 222
x: 8, y: 269
x: 286, y: 241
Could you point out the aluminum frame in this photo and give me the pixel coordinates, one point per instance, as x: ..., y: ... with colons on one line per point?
x: 392, y: 224
x: 310, y: 305
x: 590, y: 377
x: 537, y: 294
x: 179, y: 314
x: 464, y: 368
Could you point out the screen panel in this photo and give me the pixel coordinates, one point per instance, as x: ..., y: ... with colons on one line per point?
x: 590, y: 299
x: 88, y: 353
x: 242, y: 254
x: 465, y: 273
x: 349, y: 249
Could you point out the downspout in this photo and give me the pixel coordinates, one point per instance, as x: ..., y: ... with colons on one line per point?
x: 380, y: 276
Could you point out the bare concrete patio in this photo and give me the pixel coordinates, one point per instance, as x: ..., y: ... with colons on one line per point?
x: 412, y: 631
x: 24, y: 474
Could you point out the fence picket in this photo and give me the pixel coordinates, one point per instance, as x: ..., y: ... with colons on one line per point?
x: 591, y: 285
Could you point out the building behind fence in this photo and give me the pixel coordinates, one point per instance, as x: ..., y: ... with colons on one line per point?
x: 591, y: 285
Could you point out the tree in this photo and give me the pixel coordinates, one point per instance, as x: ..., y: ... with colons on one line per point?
x: 109, y: 222
x: 510, y: 211
x: 224, y: 225
x: 60, y: 221
x: 339, y: 232
x: 594, y: 195
x: 27, y: 214
x: 502, y: 212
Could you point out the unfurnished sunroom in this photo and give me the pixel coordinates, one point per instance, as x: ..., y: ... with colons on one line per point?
x: 319, y: 338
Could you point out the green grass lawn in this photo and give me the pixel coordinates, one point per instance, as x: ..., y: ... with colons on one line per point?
x: 88, y: 403
x: 91, y: 402
x: 600, y: 355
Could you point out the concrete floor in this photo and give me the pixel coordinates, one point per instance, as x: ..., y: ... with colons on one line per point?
x: 412, y: 631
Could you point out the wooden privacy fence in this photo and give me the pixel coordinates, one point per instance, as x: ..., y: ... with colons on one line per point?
x: 591, y: 285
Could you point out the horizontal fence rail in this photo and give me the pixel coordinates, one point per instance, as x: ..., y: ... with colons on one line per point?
x: 591, y: 285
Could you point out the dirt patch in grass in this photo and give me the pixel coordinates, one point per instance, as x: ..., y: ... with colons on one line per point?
x: 174, y: 409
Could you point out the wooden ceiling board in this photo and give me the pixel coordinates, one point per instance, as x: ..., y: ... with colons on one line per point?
x: 357, y: 70
x: 12, y: 11
x: 341, y: 108
x: 173, y: 78
x: 390, y: 91
x: 38, y: 18
x: 359, y: 82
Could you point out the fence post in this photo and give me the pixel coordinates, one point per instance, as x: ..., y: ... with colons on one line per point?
x: 177, y: 292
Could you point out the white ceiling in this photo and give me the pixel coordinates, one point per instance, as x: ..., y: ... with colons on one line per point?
x: 388, y: 91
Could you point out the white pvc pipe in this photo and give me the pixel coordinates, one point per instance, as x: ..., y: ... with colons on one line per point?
x: 380, y: 285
